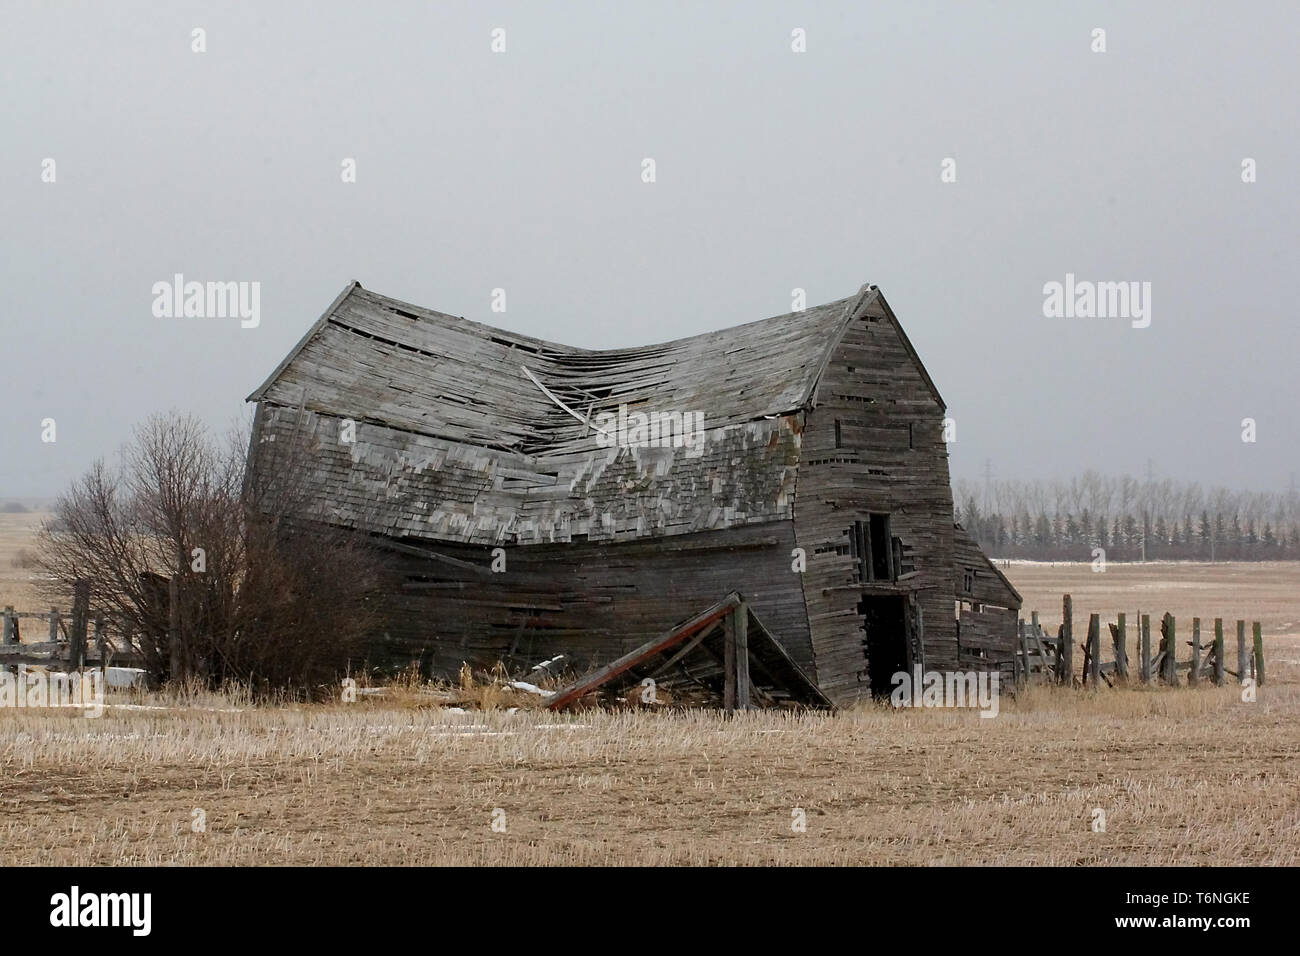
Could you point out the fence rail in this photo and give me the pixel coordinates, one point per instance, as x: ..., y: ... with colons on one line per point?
x: 75, y: 639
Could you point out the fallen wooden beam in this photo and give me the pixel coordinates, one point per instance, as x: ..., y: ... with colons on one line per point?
x: 643, y: 653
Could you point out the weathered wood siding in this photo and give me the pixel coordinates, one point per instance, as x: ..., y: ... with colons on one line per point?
x: 874, y: 444
x: 976, y: 579
x: 987, y: 637
x: 589, y: 601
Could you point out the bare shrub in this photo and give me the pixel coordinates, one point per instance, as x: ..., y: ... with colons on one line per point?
x: 258, y: 598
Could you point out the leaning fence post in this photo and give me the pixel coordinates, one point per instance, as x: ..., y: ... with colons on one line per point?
x: 1146, y: 649
x: 1259, y: 655
x: 1241, y: 653
x: 1094, y: 649
x: 1169, y: 645
x: 1067, y: 641
x: 11, y: 625
x: 1195, y: 676
x: 1219, y: 663
x: 1120, y: 634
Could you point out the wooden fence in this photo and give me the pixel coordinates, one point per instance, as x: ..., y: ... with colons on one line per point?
x: 1051, y: 659
x: 75, y: 639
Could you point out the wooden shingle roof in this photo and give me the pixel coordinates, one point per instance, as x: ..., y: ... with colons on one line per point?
x: 380, y: 360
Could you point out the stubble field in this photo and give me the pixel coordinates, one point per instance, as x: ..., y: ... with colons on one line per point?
x: 1181, y: 775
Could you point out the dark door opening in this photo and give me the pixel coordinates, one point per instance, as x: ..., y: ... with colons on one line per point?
x: 884, y: 619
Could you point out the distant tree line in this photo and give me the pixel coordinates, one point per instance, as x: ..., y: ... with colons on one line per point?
x: 1132, y: 520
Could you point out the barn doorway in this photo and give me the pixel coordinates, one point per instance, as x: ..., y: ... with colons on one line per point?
x: 884, y: 619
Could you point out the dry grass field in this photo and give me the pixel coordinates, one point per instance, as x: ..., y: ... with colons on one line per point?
x: 1193, y: 776
x: 1183, y: 777
x: 19, y: 584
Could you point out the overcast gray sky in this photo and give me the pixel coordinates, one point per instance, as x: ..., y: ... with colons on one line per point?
x: 775, y: 170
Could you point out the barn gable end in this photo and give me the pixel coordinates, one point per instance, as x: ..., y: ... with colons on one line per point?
x: 873, y: 487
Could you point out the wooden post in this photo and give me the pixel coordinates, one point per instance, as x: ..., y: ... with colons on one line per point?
x: 1121, y: 649
x: 729, y: 663
x: 1218, y: 652
x: 1024, y: 653
x: 1146, y: 648
x: 1015, y: 653
x: 1241, y: 653
x: 11, y: 625
x: 1169, y: 646
x: 1087, y: 659
x: 174, y: 629
x: 99, y: 640
x: 1194, y: 677
x: 1094, y: 649
x: 54, y: 624
x: 1067, y: 641
x: 742, y: 657
x: 1038, y: 636
x: 80, y: 615
x: 1259, y: 655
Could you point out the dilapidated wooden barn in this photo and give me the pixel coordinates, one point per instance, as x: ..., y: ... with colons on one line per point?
x: 539, y: 500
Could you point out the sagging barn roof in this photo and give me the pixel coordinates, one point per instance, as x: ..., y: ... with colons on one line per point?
x: 470, y: 433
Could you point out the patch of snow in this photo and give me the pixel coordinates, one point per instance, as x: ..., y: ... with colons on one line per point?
x: 530, y: 688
